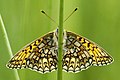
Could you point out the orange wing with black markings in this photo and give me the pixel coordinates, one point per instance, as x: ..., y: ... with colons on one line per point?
x: 81, y: 53
x: 40, y: 55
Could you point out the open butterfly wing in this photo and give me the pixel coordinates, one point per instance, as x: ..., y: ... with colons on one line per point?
x: 40, y: 55
x: 80, y: 53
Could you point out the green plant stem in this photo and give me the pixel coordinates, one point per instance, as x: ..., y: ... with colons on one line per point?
x: 8, y: 45
x: 60, y: 41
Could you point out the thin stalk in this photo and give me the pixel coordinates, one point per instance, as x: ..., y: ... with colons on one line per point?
x: 8, y: 45
x: 60, y: 41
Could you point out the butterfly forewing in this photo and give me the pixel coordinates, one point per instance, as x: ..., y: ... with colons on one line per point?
x: 80, y: 53
x: 40, y: 55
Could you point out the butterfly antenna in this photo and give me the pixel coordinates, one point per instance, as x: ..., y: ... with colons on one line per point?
x: 71, y: 14
x: 49, y: 17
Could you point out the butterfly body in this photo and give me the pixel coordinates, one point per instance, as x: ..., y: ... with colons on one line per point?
x: 41, y: 55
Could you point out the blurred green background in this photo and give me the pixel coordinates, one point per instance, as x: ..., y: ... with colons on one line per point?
x: 98, y: 20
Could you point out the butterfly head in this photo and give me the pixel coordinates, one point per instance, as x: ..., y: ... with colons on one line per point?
x: 57, y: 30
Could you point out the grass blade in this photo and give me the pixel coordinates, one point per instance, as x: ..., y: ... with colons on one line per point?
x: 8, y: 45
x: 60, y: 41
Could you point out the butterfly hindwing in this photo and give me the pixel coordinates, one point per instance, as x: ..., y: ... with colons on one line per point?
x: 80, y: 53
x: 40, y: 55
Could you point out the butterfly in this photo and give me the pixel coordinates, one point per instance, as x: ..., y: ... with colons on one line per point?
x: 41, y: 55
